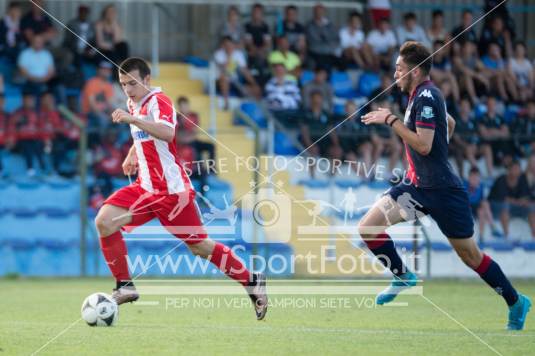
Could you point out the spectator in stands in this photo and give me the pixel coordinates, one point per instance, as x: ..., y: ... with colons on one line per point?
x: 108, y: 159
x: 11, y: 39
x: 52, y: 128
x: 495, y: 136
x: 283, y: 55
x: 383, y: 43
x: 478, y: 202
x: 187, y: 135
x: 232, y: 27
x: 465, y: 138
x: 7, y: 136
x: 411, y: 31
x: 281, y: 92
x: 352, y: 137
x: 464, y: 33
x: 379, y: 10
x: 497, y: 34
x: 96, y: 100
x: 316, y: 123
x: 523, y: 130
x: 322, y: 39
x: 497, y: 74
x: 442, y: 69
x: 80, y: 32
x: 29, y: 138
x: 109, y: 36
x: 319, y: 84
x: 36, y: 66
x: 468, y: 68
x: 36, y: 22
x: 294, y: 31
x: 232, y: 67
x: 257, y: 41
x: 353, y: 46
x: 451, y: 103
x: 510, y: 196
x: 437, y: 31
x: 521, y: 69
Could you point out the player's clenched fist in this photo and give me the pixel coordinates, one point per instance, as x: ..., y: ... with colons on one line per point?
x: 121, y: 116
x: 130, y: 165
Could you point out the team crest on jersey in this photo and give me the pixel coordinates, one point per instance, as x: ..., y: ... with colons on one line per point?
x: 427, y: 112
x: 427, y: 94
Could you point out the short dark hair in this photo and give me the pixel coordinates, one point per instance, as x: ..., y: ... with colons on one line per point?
x: 182, y: 100
x: 416, y: 54
x: 133, y: 63
x: 409, y: 16
x: 474, y: 170
x: 437, y: 12
x: 13, y: 4
x: 467, y: 10
x: 258, y: 6
x: 290, y: 7
x: 354, y: 14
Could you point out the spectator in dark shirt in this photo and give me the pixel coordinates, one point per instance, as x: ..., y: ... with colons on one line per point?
x: 498, y: 34
x: 523, y: 130
x: 510, y: 196
x: 314, y: 125
x: 257, y: 38
x: 464, y: 31
x: 319, y: 83
x: 11, y: 39
x: 495, y: 136
x: 109, y: 37
x: 29, y: 136
x: 469, y: 69
x: 322, y: 39
x: 353, y: 137
x: 36, y: 22
x: 108, y: 162
x: 442, y: 68
x: 437, y: 32
x: 465, y: 137
x: 294, y: 31
x: 82, y: 33
x: 479, y: 203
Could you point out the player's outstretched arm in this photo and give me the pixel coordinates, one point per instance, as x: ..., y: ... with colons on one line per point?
x: 421, y: 140
x: 155, y: 129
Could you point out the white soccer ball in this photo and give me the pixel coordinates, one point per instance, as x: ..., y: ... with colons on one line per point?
x: 99, y: 309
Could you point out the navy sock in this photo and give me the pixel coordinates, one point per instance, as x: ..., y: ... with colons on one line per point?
x: 491, y: 273
x: 383, y: 248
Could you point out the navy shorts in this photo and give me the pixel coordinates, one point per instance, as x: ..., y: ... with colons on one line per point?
x: 449, y: 207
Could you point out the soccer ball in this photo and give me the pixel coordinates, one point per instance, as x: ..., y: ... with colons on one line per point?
x: 99, y: 309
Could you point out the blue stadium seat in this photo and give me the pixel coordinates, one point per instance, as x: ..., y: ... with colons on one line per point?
x: 254, y: 112
x: 13, y: 101
x: 88, y: 70
x: 440, y: 246
x: 368, y: 82
x: 306, y: 76
x: 283, y: 145
x: 497, y: 245
x: 196, y: 61
x: 343, y: 85
x: 347, y: 183
x: 314, y: 183
x: 528, y: 245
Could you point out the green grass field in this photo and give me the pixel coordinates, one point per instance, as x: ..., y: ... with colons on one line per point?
x: 34, y: 312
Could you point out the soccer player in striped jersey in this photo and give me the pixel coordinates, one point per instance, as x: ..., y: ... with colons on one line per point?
x: 162, y: 190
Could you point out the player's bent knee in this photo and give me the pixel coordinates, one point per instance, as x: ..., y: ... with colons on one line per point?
x: 105, y: 225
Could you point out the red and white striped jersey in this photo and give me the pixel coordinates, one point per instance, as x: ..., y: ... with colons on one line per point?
x: 159, y: 169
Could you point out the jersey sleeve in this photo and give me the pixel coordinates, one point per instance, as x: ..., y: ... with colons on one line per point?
x: 162, y: 111
x: 427, y: 110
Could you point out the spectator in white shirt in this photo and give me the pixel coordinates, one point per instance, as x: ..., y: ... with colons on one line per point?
x: 383, y: 43
x: 522, y: 70
x: 411, y: 31
x: 36, y: 66
x: 353, y: 45
x: 232, y: 67
x: 282, y: 92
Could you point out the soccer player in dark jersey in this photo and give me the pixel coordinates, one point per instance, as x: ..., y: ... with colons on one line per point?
x: 431, y: 186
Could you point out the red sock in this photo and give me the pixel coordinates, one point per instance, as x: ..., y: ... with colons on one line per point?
x: 114, y: 250
x: 227, y: 262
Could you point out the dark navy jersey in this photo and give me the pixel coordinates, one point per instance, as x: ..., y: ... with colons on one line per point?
x: 427, y: 110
